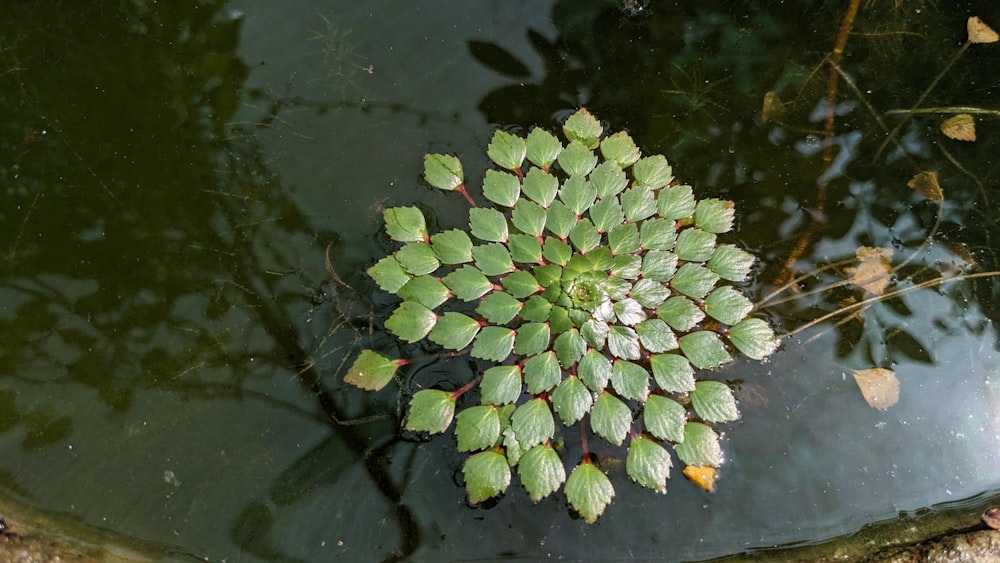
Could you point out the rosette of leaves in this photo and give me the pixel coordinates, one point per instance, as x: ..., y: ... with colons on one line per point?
x: 597, y: 286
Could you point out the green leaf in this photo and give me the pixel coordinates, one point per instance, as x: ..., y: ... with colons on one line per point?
x: 608, y: 179
x: 610, y: 418
x: 693, y: 280
x: 655, y: 336
x: 405, y: 224
x: 626, y: 267
x: 695, y: 245
x: 506, y: 150
x: 541, y: 372
x: 532, y: 423
x: 658, y: 234
x: 630, y: 380
x: 623, y: 343
x: 754, y: 338
x: 525, y: 249
x: 431, y: 410
x: 569, y: 347
x: 548, y: 274
x: 704, y: 349
x: 676, y: 202
x: 621, y: 149
x: 648, y: 464
x: 411, y: 321
x: 500, y: 385
x: 493, y: 259
x: 607, y: 214
x: 584, y: 128
x: 664, y: 418
x: 650, y: 293
x: 477, y: 428
x: 680, y: 313
x: 452, y: 247
x: 467, y: 283
x: 638, y: 203
x: 454, y: 331
x: 536, y: 309
x: 585, y: 236
x: 659, y: 265
x: 541, y: 187
x: 499, y: 308
x: 623, y: 239
x: 541, y: 471
x: 529, y: 217
x: 532, y: 338
x: 488, y: 224
x: 417, y: 258
x: 700, y: 446
x: 372, y: 371
x: 629, y: 312
x: 714, y: 215
x: 443, y: 171
x: 589, y: 491
x: 426, y: 290
x: 560, y: 219
x: 571, y: 400
x: 486, y: 475
x: 653, y: 172
x: 594, y: 370
x: 559, y: 320
x: 727, y: 305
x: 731, y: 263
x: 493, y: 343
x: 520, y: 284
x: 714, y: 402
x: 556, y: 251
x: 577, y: 160
x: 388, y: 274
x: 595, y: 332
x: 543, y: 148
x: 501, y: 188
x: 672, y: 372
x: 577, y: 194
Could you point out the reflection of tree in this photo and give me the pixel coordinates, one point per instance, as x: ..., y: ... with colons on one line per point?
x: 144, y: 234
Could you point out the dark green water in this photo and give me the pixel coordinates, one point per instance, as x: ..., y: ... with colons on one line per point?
x: 173, y: 174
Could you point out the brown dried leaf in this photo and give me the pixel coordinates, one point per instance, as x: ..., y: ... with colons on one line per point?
x: 873, y: 269
x: 960, y: 127
x: 879, y: 387
x: 703, y: 476
x: 979, y: 32
x: 773, y: 107
x: 927, y: 184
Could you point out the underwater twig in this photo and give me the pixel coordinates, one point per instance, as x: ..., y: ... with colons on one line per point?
x: 945, y: 110
x: 954, y: 161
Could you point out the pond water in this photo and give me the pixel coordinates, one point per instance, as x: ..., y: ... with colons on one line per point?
x: 176, y: 174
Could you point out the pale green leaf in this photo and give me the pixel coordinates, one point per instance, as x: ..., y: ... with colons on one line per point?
x: 700, y: 446
x: 520, y: 284
x: 488, y: 224
x: 477, y: 428
x: 595, y: 332
x: 443, y: 171
x: 638, y: 203
x: 571, y: 400
x: 525, y: 249
x: 501, y: 188
x: 506, y: 150
x: 532, y: 423
x: 623, y: 239
x: 388, y: 274
x: 629, y: 312
x: 486, y: 475
x: 452, y: 247
x: 541, y: 471
x: 608, y: 179
x: 704, y: 349
x: 569, y: 347
x: 653, y: 172
x: 431, y: 410
x: 411, y: 321
x: 607, y: 214
x: 539, y: 186
x: 727, y: 305
x: 467, y: 283
x: 556, y: 251
x: 731, y: 263
x: 493, y: 343
x: 655, y: 336
x: 650, y: 293
x: 658, y: 234
x: 630, y: 380
x: 659, y: 265
x: 676, y: 202
x: 648, y: 463
x: 694, y: 245
x: 499, y: 308
x: 693, y: 280
x: 594, y: 370
x: 589, y: 491
x: 532, y: 338
x: 627, y: 267
x: 417, y: 258
x: 541, y: 372
x: 493, y: 259
x: 426, y: 290
x: 714, y: 402
x: 542, y: 148
x: 529, y: 217
x: 623, y: 343
x: 536, y: 309
x: 405, y: 224
x: 577, y: 194
x: 673, y: 372
x: 560, y: 219
x: 583, y: 127
x: 500, y: 385
x: 454, y: 331
x: 680, y: 313
x: 754, y: 338
x: 664, y: 418
x: 610, y: 418
x: 372, y: 371
x: 620, y: 148
x: 714, y: 215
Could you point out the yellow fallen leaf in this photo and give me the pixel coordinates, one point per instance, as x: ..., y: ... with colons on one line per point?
x: 879, y: 387
x: 927, y: 184
x: 703, y: 476
x: 873, y: 270
x: 960, y: 127
x: 979, y: 32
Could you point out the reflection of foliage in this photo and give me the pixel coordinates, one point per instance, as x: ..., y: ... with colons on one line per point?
x: 589, y: 284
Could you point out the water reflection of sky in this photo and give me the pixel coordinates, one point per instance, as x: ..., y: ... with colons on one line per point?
x: 191, y: 424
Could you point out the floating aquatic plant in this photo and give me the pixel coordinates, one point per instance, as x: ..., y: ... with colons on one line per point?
x: 596, y: 285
